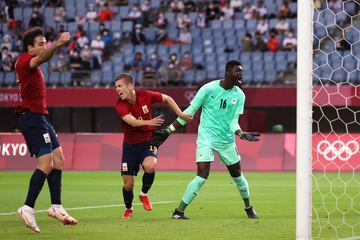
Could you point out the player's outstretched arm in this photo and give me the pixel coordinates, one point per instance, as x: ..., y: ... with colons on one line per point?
x: 48, y: 52
x: 175, y: 108
x: 132, y: 121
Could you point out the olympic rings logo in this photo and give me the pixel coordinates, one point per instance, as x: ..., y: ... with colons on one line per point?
x: 338, y: 149
x: 189, y: 95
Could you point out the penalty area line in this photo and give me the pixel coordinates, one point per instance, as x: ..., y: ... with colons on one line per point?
x: 91, y: 207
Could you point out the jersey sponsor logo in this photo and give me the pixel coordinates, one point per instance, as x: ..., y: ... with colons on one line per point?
x: 47, y: 138
x: 338, y: 149
x: 145, y: 109
x: 233, y: 101
x: 13, y: 149
x: 124, y: 167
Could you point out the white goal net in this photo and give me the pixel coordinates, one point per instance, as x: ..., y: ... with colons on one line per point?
x: 336, y: 120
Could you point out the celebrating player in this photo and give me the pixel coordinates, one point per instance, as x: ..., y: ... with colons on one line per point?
x: 222, y: 102
x: 134, y: 109
x: 36, y: 128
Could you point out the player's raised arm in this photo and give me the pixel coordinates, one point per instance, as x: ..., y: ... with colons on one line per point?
x: 46, y: 53
x: 129, y: 119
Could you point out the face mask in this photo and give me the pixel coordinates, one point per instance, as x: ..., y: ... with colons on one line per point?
x: 153, y: 57
x: 98, y: 38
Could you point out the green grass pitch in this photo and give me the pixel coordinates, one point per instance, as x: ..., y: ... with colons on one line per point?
x: 216, y: 213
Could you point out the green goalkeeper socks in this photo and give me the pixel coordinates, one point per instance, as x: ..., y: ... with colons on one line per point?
x: 191, y: 191
x: 243, y: 187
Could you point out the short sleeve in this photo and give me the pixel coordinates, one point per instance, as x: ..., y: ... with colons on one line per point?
x: 155, y: 97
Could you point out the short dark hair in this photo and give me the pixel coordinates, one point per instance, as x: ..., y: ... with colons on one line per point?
x: 230, y: 64
x: 28, y: 38
x: 127, y: 77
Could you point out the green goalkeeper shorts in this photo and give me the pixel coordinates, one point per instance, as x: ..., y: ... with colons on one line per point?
x: 228, y: 154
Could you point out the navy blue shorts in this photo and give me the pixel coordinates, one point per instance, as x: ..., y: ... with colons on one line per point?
x: 38, y: 132
x: 133, y: 155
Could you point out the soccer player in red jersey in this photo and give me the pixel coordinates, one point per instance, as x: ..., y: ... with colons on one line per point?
x: 134, y: 109
x: 36, y: 128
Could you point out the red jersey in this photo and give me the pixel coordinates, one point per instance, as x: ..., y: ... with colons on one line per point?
x: 140, y: 110
x: 32, y: 86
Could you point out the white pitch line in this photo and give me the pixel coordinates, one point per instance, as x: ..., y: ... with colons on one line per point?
x: 90, y: 207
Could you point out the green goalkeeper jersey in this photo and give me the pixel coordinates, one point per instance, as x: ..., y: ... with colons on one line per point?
x: 220, y: 111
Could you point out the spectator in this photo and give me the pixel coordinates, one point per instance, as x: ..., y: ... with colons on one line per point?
x: 248, y: 11
x: 246, y: 43
x: 185, y: 36
x: 149, y: 77
x: 7, y: 42
x: 59, y: 14
x: 177, y: 6
x: 101, y: 3
x: 335, y: 6
x: 54, y: 3
x: 183, y: 21
x: 154, y: 62
x: 290, y: 42
x: 19, y: 28
x: 107, y: 38
x: 106, y: 14
x: 200, y: 20
x: 74, y: 45
x: 260, y: 10
x: 86, y: 57
x: 61, y: 30
x: 161, y: 36
x: 282, y: 26
x: 189, y: 6
x: 262, y: 26
x: 161, y: 21
x: 138, y: 64
x: 146, y: 12
x: 97, y: 48
x: 135, y: 14
x: 91, y: 14
x: 50, y: 36
x: 8, y: 63
x: 36, y: 19
x: 36, y: 4
x: 60, y: 65
x: 82, y: 39
x: 138, y: 37
x: 236, y: 5
x: 227, y: 11
x: 186, y: 62
x: 174, y: 72
x: 285, y: 11
x: 274, y: 42
x: 76, y: 67
x: 212, y: 11
x: 260, y: 44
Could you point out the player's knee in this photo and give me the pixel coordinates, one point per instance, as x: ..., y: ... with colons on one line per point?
x: 149, y: 169
x: 129, y: 186
x: 203, y: 174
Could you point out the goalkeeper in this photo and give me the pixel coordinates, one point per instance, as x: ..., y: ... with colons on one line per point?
x: 222, y: 102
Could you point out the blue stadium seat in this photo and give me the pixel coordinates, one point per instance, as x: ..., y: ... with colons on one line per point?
x: 200, y: 75
x: 259, y: 77
x: 150, y: 48
x: 10, y: 79
x: 215, y: 24
x: 228, y: 24
x: 258, y: 66
x: 189, y: 76
x: 229, y: 33
x: 95, y: 78
x: 270, y: 77
x: 325, y: 71
x: 72, y: 27
x: 339, y: 76
x: 155, y: 3
x: 218, y: 33
x: 234, y: 56
x: 251, y: 24
x: 280, y: 56
x: 212, y: 74
x: 248, y: 76
x: 239, y: 24
x: 65, y: 78
x: 2, y: 78
x: 319, y: 31
x: 127, y: 26
x: 115, y: 26
x: 175, y: 49
x: 319, y: 58
x: 107, y: 78
x: 269, y: 65
x: 198, y: 58
x: 140, y: 48
x: 195, y: 32
x: 163, y: 50
x: 269, y: 56
x: 247, y: 65
x: 291, y: 57
x: 185, y: 48
x: 54, y: 78
x: 245, y: 57
x: 281, y: 66
x: 150, y: 34
x: 124, y: 11
x: 18, y: 13
x: 107, y: 66
x: 256, y: 57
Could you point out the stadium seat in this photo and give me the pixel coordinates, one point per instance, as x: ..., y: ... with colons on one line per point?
x: 189, y: 76
x: 270, y: 77
x: 65, y: 78
x: 258, y: 66
x: 215, y: 24
x: 339, y: 76
x: 325, y: 71
x: 228, y: 24
x: 150, y: 48
x: 124, y: 11
x: 206, y: 33
x: 269, y: 65
x: 127, y: 26
x: 150, y: 34
x: 10, y: 79
x: 245, y: 57
x: 107, y: 78
x: 281, y: 66
x: 256, y: 57
x: 251, y: 25
x: 280, y: 56
x: 2, y: 78
x: 239, y: 24
x: 248, y: 76
x: 350, y: 63
x: 291, y: 57
x: 107, y: 66
x: 259, y: 77
x: 212, y: 74
x: 95, y: 78
x: 269, y: 56
x: 200, y: 75
x: 140, y: 48
x: 185, y: 48
x: 198, y: 58
x: 54, y: 78
x: 175, y: 49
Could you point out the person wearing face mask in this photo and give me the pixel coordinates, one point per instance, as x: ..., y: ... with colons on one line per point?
x: 154, y: 62
x: 174, y: 72
x: 290, y: 41
x: 138, y: 37
x: 97, y: 47
x: 86, y: 56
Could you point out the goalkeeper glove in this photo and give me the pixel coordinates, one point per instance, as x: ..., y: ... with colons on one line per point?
x: 250, y: 136
x: 159, y: 136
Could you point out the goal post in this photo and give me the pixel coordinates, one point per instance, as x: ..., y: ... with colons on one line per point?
x: 304, y: 119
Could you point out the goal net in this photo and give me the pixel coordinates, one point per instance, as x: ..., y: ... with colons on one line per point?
x: 336, y: 120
